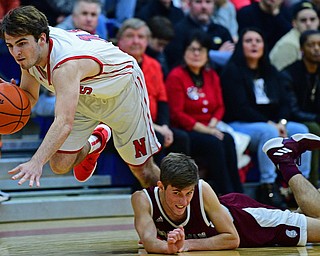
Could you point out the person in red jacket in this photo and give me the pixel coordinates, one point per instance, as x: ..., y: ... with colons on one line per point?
x: 6, y: 6
x: 196, y: 106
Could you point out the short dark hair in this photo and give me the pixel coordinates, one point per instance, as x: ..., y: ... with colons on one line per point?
x: 305, y: 35
x: 178, y: 170
x: 199, y: 36
x: 25, y: 20
x: 161, y: 28
x: 298, y: 7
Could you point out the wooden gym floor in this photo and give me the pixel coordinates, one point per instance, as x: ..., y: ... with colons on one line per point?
x: 101, y: 236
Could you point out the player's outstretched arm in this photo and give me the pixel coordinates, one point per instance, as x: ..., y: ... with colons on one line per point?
x: 227, y: 238
x: 66, y: 80
x: 146, y: 228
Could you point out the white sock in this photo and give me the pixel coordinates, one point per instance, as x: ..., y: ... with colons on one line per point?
x: 95, y: 143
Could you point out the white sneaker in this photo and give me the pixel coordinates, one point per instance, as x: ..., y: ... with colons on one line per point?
x: 4, y: 196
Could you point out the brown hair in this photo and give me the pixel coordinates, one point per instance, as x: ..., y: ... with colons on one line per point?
x: 26, y: 20
x: 178, y: 170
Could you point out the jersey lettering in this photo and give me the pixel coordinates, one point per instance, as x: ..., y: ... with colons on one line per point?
x: 88, y: 37
x: 85, y: 90
x: 140, y: 147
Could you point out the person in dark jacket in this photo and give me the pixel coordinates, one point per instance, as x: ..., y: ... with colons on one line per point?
x: 163, y: 8
x: 303, y: 77
x: 257, y: 104
x: 200, y: 18
x: 271, y: 17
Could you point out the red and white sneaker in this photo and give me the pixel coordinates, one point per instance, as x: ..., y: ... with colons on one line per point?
x: 84, y: 170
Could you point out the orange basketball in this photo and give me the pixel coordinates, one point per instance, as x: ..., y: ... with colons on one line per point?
x: 15, y: 108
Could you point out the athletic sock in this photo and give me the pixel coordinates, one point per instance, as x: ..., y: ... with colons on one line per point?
x: 288, y: 170
x: 95, y: 143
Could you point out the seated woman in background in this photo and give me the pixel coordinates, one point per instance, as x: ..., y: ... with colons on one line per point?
x: 257, y: 104
x: 196, y: 106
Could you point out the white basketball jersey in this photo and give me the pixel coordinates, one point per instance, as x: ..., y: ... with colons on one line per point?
x: 116, y: 66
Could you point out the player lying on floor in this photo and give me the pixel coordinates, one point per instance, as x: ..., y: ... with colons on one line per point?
x: 183, y: 213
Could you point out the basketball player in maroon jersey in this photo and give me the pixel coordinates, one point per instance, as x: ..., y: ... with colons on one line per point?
x: 183, y: 213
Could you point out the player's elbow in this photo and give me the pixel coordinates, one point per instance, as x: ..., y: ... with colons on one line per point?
x: 234, y: 242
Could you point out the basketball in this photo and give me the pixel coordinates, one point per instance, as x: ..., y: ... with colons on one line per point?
x: 15, y: 108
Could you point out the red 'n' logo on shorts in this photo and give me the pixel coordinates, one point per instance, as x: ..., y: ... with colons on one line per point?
x: 140, y: 147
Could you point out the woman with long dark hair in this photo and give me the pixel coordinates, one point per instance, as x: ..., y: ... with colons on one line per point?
x: 257, y: 104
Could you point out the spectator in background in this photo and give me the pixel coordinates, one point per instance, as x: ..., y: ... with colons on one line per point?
x: 55, y: 10
x: 133, y: 39
x: 162, y: 32
x: 6, y: 6
x: 182, y: 4
x: 8, y: 67
x: 160, y: 8
x: 271, y: 17
x: 200, y: 17
x: 119, y: 9
x: 303, y: 77
x: 117, y: 12
x: 86, y: 15
x: 287, y: 49
x: 196, y: 106
x: 257, y: 104
x: 225, y: 15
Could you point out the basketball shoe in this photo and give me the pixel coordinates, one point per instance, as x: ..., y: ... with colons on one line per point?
x: 84, y: 170
x: 285, y: 153
x: 4, y: 196
x: 289, y: 149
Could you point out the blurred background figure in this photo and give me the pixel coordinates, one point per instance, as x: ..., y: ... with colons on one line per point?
x: 86, y: 15
x: 196, y: 106
x: 163, y: 8
x: 199, y: 17
x: 287, y: 49
x: 6, y: 6
x: 117, y: 12
x: 55, y: 10
x: 258, y: 105
x: 272, y: 17
x: 225, y: 15
x: 162, y: 32
x: 8, y: 67
x: 303, y: 78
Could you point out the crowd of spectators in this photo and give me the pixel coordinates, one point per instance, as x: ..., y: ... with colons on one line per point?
x: 219, y: 73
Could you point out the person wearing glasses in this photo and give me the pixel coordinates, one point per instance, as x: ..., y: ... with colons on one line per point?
x: 196, y: 106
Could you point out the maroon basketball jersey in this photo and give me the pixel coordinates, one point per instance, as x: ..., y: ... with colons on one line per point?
x: 257, y: 224
x: 196, y: 225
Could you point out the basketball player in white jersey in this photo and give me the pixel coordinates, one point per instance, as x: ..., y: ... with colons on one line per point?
x: 97, y: 86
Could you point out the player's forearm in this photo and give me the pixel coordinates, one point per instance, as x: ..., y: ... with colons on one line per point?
x: 157, y: 246
x: 53, y: 140
x: 219, y: 242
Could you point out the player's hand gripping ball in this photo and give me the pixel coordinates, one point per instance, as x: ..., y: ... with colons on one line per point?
x: 15, y: 108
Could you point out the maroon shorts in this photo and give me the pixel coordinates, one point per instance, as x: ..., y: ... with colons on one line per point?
x: 261, y: 225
